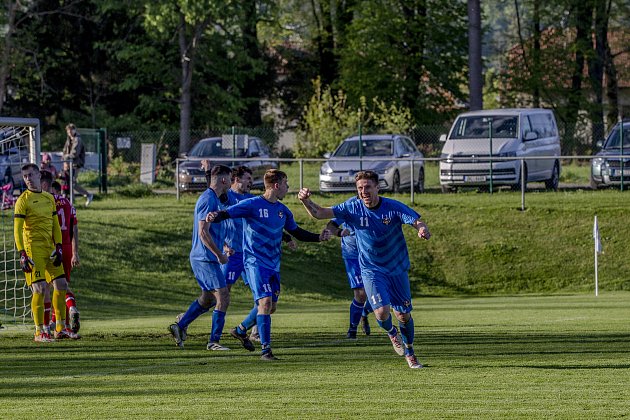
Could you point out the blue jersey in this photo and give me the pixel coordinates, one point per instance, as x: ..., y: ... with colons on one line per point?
x: 380, y: 240
x: 263, y: 223
x: 349, y: 248
x: 207, y: 202
x: 234, y: 227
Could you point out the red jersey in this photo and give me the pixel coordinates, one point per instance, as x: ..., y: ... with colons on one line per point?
x: 67, y: 218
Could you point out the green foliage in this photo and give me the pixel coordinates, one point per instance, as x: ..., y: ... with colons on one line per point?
x: 328, y: 119
x: 135, y: 191
x: 120, y: 172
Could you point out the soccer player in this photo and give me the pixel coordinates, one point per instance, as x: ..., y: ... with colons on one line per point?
x: 206, y: 256
x: 38, y: 240
x: 67, y: 215
x: 264, y: 219
x: 359, y: 308
x: 383, y: 256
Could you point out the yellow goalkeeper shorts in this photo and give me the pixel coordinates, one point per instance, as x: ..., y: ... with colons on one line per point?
x: 44, y: 268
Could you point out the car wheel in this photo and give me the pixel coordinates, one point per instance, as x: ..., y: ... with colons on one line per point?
x: 446, y: 189
x: 396, y: 182
x: 593, y: 184
x: 552, y: 183
x: 518, y: 186
x: 420, y: 184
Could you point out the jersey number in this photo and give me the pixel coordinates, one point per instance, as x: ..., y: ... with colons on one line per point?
x: 263, y: 213
x: 62, y: 216
x: 364, y: 221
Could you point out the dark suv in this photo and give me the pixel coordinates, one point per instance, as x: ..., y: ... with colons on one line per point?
x: 191, y: 177
x: 606, y: 165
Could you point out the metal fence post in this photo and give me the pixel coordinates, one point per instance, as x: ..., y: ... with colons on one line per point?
x: 71, y: 183
x: 301, y: 174
x: 177, y: 178
x: 522, y: 185
x: 490, y: 134
x: 621, y: 150
x: 413, y: 184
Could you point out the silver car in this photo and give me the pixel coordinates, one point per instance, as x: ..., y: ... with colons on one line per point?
x: 393, y: 164
x: 605, y: 169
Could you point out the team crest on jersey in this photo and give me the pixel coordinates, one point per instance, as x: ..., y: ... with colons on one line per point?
x: 406, y: 303
x: 386, y: 220
x: 281, y: 214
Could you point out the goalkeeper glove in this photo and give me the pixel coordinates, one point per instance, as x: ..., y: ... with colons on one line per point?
x: 55, y: 257
x: 26, y: 263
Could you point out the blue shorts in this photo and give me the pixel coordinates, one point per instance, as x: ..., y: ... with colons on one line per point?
x: 263, y: 282
x: 354, y: 273
x: 383, y: 289
x: 208, y: 274
x: 234, y: 269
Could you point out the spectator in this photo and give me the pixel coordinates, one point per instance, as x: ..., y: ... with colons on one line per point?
x: 47, y: 165
x: 74, y: 151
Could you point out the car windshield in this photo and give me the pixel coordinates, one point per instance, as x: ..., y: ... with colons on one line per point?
x: 370, y: 148
x: 479, y: 127
x: 614, y: 139
x: 213, y: 148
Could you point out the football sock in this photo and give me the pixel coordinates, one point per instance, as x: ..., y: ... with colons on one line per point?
x: 407, y: 334
x: 193, y: 312
x: 356, y: 309
x: 47, y: 313
x: 58, y: 300
x: 37, y: 306
x: 388, y: 326
x: 70, y: 301
x: 367, y: 308
x: 264, y: 329
x: 218, y: 321
x: 250, y: 319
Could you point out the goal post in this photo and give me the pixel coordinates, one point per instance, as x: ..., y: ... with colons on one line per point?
x: 19, y: 144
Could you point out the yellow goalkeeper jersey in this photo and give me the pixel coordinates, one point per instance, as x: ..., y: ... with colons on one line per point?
x: 35, y: 215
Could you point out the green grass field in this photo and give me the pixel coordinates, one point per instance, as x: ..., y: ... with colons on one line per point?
x: 506, y: 321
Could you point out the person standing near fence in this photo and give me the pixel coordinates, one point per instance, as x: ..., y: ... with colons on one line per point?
x: 74, y: 151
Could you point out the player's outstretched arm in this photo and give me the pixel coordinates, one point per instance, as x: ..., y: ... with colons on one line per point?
x: 306, y: 236
x: 315, y: 210
x: 422, y: 228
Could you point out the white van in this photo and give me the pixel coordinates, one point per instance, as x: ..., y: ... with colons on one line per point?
x: 477, y: 137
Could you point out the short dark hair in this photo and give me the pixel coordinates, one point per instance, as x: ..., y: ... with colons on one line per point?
x: 46, y: 176
x: 274, y: 176
x: 371, y: 175
x: 56, y: 186
x: 216, y: 171
x: 30, y: 166
x: 239, y: 171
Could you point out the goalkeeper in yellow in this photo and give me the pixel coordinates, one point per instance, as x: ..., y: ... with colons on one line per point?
x: 38, y: 240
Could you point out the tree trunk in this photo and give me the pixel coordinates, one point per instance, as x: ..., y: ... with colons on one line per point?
x: 536, y: 71
x: 596, y: 71
x: 254, y: 84
x: 186, y: 82
x: 7, y: 50
x: 475, y: 76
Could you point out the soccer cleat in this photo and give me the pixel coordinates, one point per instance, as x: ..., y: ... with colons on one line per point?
x: 365, y: 325
x: 176, y: 332
x: 74, y: 319
x: 43, y: 337
x: 216, y: 346
x: 268, y: 357
x: 412, y: 361
x: 244, y: 339
x: 398, y: 345
x: 254, y: 337
x: 66, y: 333
x: 89, y: 199
x: 352, y: 335
x: 184, y: 331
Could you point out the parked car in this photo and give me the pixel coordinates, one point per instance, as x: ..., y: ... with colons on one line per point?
x: 337, y: 173
x: 527, y: 133
x: 191, y: 176
x: 605, y: 169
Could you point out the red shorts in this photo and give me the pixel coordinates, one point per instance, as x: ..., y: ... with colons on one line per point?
x: 66, y: 253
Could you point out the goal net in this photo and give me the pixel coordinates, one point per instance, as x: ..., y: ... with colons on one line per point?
x: 19, y: 144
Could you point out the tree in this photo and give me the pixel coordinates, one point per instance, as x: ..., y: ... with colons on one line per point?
x: 475, y: 76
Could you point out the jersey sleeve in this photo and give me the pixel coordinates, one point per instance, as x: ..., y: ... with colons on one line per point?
x: 289, y: 223
x: 407, y: 215
x: 204, y: 207
x: 342, y: 211
x: 241, y: 209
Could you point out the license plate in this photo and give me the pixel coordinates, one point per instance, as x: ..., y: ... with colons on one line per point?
x: 346, y: 179
x: 617, y: 172
x: 199, y: 179
x: 475, y: 179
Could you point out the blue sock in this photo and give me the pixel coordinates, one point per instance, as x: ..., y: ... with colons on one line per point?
x: 407, y: 333
x: 388, y: 326
x: 367, y: 308
x: 264, y: 329
x: 355, y: 313
x: 249, y: 321
x: 193, y: 312
x: 218, y: 321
